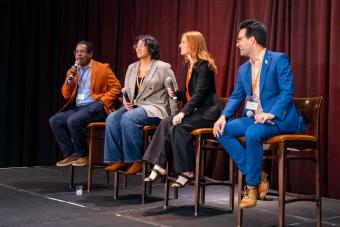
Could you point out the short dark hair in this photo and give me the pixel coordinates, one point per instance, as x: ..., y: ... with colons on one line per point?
x: 151, y: 43
x: 89, y: 46
x: 256, y: 29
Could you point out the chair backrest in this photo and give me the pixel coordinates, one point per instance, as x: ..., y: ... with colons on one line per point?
x: 310, y: 110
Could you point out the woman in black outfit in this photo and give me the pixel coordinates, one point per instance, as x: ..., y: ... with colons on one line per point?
x: 201, y: 109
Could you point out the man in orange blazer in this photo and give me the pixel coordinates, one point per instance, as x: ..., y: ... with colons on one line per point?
x: 91, y: 88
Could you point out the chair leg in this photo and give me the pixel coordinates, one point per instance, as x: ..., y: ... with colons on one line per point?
x: 144, y: 184
x: 317, y: 189
x: 282, y: 183
x: 89, y: 177
x: 72, y: 177
x: 166, y: 189
x: 107, y: 178
x: 232, y: 186
x: 198, y: 173
x: 149, y: 188
x: 89, y: 165
x: 175, y: 193
x: 239, y: 193
x: 115, y: 185
x: 124, y: 181
x: 202, y: 184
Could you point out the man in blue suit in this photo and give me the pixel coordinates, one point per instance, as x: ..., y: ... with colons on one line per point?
x: 265, y: 85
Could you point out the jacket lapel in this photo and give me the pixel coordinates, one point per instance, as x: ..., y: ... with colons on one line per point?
x: 148, y: 78
x: 132, y: 80
x: 94, y: 73
x: 247, y: 85
x: 265, y: 64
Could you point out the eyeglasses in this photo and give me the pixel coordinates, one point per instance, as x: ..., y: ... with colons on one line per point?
x: 81, y: 52
x: 240, y: 38
x: 141, y: 45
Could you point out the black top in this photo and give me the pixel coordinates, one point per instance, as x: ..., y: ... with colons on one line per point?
x: 202, y: 91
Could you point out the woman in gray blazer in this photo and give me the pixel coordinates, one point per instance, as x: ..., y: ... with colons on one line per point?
x: 146, y: 102
x: 201, y: 109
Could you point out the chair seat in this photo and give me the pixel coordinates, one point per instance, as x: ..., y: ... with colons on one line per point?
x: 295, y: 137
x: 96, y: 124
x: 201, y: 131
x: 286, y: 137
x: 150, y: 127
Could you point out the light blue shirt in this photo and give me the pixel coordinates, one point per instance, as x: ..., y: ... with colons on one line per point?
x: 84, y: 85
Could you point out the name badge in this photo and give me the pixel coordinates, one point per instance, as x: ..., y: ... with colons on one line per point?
x: 81, y: 97
x: 252, y: 105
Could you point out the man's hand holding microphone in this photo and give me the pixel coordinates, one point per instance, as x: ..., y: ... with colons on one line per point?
x: 74, y: 71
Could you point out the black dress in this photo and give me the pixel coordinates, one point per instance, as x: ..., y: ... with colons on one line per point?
x: 201, y: 111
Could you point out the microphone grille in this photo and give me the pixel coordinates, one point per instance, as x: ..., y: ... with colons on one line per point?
x: 249, y: 113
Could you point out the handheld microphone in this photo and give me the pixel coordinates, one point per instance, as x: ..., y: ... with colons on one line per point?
x: 251, y: 113
x: 126, y: 96
x: 171, y: 86
x: 70, y: 78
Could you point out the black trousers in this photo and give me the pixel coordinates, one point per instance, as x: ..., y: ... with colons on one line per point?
x: 69, y: 127
x: 176, y: 142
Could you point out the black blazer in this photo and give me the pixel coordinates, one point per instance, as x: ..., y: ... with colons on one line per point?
x: 202, y: 91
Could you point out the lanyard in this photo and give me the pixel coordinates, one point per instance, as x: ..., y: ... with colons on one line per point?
x: 140, y: 83
x: 254, y: 83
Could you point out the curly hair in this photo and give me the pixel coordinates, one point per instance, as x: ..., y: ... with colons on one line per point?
x: 151, y: 43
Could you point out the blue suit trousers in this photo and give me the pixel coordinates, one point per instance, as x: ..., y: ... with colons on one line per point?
x: 248, y: 158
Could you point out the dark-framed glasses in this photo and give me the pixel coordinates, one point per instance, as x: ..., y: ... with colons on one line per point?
x: 82, y: 52
x: 140, y: 45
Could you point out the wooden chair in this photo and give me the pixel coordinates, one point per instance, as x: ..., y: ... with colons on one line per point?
x: 294, y: 147
x: 205, y: 141
x: 148, y: 132
x: 96, y: 131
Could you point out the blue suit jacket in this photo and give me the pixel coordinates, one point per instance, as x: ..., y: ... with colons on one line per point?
x: 276, y: 92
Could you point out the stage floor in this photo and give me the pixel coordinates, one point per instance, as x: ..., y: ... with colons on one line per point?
x: 40, y: 196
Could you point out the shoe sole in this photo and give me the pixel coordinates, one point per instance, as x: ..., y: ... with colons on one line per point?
x: 79, y: 164
x: 248, y: 206
x: 67, y: 164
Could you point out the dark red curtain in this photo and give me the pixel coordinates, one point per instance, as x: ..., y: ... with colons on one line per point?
x: 38, y: 38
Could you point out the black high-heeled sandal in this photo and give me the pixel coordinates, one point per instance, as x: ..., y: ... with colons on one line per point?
x: 177, y: 184
x: 158, y: 175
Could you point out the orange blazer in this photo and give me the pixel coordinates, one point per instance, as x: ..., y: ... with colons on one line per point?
x: 104, y: 86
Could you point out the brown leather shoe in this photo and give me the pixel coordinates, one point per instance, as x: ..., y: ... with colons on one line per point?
x: 81, y: 161
x: 115, y: 166
x: 67, y: 161
x: 250, y: 198
x: 135, y: 168
x: 263, y: 187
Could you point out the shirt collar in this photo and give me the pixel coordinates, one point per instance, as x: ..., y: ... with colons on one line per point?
x: 259, y: 58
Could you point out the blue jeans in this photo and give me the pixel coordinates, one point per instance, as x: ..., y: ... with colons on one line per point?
x: 249, y: 158
x: 124, y: 134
